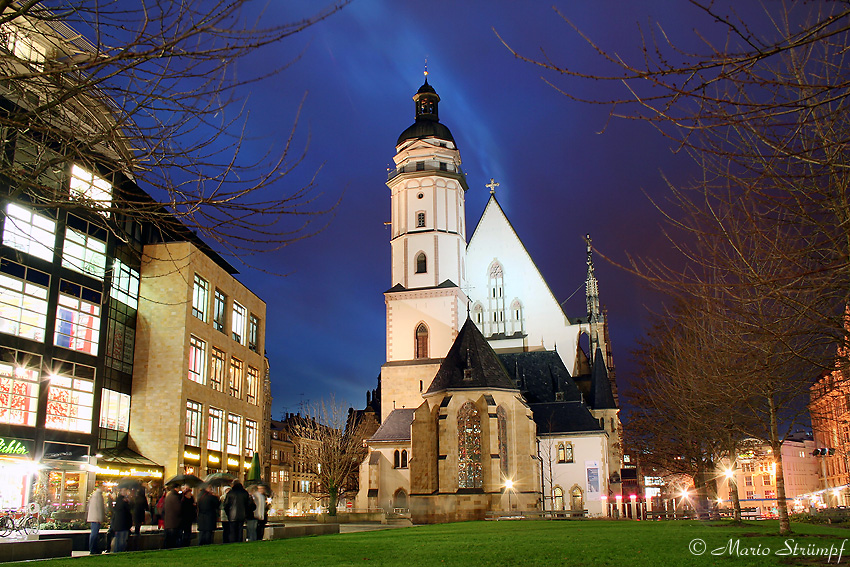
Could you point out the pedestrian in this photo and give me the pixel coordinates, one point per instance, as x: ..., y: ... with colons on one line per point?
x: 251, y: 520
x: 160, y: 509
x: 122, y: 521
x: 261, y: 514
x: 95, y: 516
x: 171, y: 518
x: 140, y: 509
x: 208, y: 512
x: 188, y: 515
x: 225, y: 522
x: 239, y: 505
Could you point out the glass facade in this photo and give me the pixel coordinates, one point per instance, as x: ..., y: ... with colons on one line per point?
x: 23, y: 300
x: 29, y: 232
x: 77, y: 318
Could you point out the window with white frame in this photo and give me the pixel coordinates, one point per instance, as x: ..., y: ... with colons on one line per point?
x: 125, y: 284
x: 90, y: 187
x: 197, y: 360
x: 193, y: 423
x: 254, y: 333
x: 70, y: 403
x: 238, y: 323
x: 200, y: 298
x: 29, y: 232
x: 23, y: 301
x: 21, y: 45
x: 253, y: 385
x: 114, y: 410
x: 77, y: 318
x: 236, y: 370
x: 219, y: 310
x: 215, y: 423
x: 84, y: 253
x: 274, y: 479
x: 234, y: 433
x: 217, y: 370
x: 18, y: 395
x: 250, y: 437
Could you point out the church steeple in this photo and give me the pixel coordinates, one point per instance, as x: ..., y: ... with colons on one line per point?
x: 594, y: 313
x: 426, y: 99
x: 427, y: 125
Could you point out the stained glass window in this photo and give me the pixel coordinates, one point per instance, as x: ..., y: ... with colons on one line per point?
x: 421, y: 341
x: 502, y: 419
x: 469, y: 447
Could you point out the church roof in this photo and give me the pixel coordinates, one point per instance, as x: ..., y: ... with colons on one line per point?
x: 399, y: 288
x: 540, y: 375
x: 603, y: 396
x: 396, y: 427
x: 471, y: 364
x: 563, y: 417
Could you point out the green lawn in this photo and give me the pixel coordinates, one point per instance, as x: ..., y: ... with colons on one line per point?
x: 550, y: 543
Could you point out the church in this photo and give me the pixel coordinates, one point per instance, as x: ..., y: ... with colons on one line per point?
x: 488, y: 400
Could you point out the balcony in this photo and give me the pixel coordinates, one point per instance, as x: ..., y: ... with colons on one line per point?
x: 429, y: 165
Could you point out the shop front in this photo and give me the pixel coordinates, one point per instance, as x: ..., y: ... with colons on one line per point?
x: 17, y: 470
x: 116, y: 465
x: 214, y: 464
x: 65, y: 477
x: 192, y: 460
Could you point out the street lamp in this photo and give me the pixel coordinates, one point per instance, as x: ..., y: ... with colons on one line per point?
x: 509, y: 485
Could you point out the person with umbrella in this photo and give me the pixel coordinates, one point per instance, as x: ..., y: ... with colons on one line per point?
x: 171, y: 518
x: 188, y: 515
x: 140, y: 509
x: 208, y: 510
x: 239, y: 505
x: 122, y: 521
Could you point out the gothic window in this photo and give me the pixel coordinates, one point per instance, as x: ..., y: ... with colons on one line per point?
x: 469, y: 447
x: 421, y: 341
x: 576, y: 498
x: 558, y: 495
x: 420, y: 220
x: 396, y: 460
x: 404, y: 458
x: 562, y: 455
x: 478, y: 313
x: 568, y: 453
x: 502, y: 419
x: 421, y: 263
x: 496, y: 284
x: 516, y: 315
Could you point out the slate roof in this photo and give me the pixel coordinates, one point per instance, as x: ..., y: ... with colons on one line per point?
x: 398, y: 287
x: 396, y: 427
x: 471, y: 364
x: 563, y: 417
x: 603, y: 396
x: 539, y: 375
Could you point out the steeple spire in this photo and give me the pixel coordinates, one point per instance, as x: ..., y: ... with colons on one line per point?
x: 594, y: 313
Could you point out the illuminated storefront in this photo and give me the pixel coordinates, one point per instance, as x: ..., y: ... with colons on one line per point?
x: 66, y: 468
x: 116, y: 465
x: 16, y: 471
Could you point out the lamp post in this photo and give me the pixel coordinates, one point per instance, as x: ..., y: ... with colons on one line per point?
x: 509, y: 485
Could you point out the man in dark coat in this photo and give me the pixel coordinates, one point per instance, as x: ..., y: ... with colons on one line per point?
x: 238, y: 505
x: 140, y: 507
x: 122, y: 521
x: 171, y: 518
x: 188, y: 515
x: 208, y: 510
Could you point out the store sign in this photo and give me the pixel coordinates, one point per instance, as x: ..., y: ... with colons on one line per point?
x: 131, y: 472
x: 18, y: 447
x: 214, y: 458
x: 66, y: 451
x: 191, y: 455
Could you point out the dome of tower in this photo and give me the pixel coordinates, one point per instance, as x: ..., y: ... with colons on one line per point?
x: 427, y: 123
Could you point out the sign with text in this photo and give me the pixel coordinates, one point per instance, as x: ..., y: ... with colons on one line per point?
x: 16, y: 447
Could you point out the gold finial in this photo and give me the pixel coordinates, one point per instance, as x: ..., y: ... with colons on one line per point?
x: 426, y: 67
x: 492, y: 185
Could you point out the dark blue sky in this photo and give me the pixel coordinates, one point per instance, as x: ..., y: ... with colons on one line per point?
x: 563, y: 169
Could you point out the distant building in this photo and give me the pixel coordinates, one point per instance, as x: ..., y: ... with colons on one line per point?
x: 281, y: 466
x: 829, y: 407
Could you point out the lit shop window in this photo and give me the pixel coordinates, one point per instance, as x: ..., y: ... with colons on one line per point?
x: 200, y: 298
x: 250, y: 437
x: 234, y: 433
x: 197, y: 358
x: 69, y: 404
x: 238, y: 323
x: 29, y: 232
x: 77, y: 318
x: 89, y: 187
x: 193, y: 423
x: 84, y: 253
x: 214, y: 429
x: 125, y: 284
x: 114, y: 410
x: 23, y: 301
x: 18, y: 395
x: 217, y: 370
x: 253, y: 385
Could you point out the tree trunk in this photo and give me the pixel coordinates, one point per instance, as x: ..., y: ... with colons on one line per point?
x: 333, y: 492
x: 776, y: 445
x: 733, y: 486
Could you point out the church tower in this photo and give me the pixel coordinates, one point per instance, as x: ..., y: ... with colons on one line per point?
x: 426, y: 304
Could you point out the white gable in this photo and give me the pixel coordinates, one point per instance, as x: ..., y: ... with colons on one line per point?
x: 495, y: 247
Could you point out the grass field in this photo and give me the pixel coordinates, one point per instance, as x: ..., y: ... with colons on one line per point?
x: 551, y: 543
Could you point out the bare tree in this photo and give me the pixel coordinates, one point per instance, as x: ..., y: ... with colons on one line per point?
x: 109, y: 97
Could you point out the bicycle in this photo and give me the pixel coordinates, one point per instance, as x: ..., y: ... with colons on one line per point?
x: 22, y: 522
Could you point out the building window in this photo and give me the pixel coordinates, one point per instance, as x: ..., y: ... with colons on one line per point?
x: 77, y: 318
x: 200, y: 298
x: 404, y: 458
x: 558, y: 495
x: 750, y: 494
x: 502, y: 422
x: 70, y: 399
x: 748, y: 480
x: 274, y: 477
x: 766, y: 480
x: 215, y: 420
x: 91, y: 188
x: 114, y: 410
x: 125, y: 284
x: 197, y: 359
x: 234, y: 433
x: 217, y: 370
x: 275, y: 455
x: 219, y: 311
x: 23, y: 301
x: 562, y: 455
x: 478, y: 313
x: 420, y: 220
x: 469, y: 447
x: 29, y: 232
x: 254, y: 333
x: 84, y: 253
x: 421, y: 341
x: 396, y: 459
x: 568, y: 453
x: 284, y: 476
x: 253, y: 385
x: 236, y: 367
x: 18, y: 394
x: 193, y: 423
x: 421, y: 263
x: 238, y: 323
x: 250, y: 437
x: 22, y: 46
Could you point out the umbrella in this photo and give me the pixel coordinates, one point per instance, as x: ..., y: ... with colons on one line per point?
x: 189, y: 479
x: 254, y: 473
x: 130, y: 483
x: 219, y: 479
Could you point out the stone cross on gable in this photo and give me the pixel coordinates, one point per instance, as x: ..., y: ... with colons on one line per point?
x: 466, y: 287
x: 492, y: 185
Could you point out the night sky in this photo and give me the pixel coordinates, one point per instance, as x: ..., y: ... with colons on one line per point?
x: 564, y: 169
